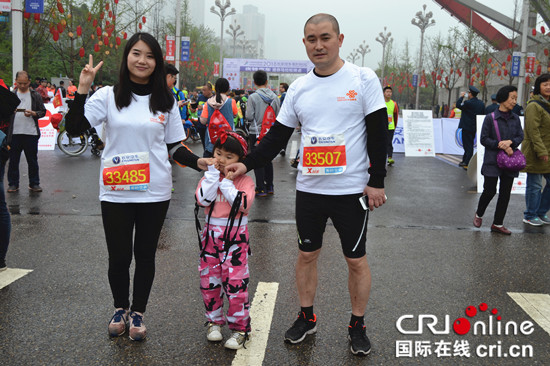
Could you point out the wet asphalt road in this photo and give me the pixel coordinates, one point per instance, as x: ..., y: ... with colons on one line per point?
x: 425, y: 258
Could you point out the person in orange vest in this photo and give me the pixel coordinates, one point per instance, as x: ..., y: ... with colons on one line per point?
x: 71, y: 89
x: 393, y: 114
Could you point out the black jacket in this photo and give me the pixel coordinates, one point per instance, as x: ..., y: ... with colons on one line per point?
x: 37, y: 105
x: 470, y: 109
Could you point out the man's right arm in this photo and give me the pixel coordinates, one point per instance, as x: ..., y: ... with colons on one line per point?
x: 269, y: 147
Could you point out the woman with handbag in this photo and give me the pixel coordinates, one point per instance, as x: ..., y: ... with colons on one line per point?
x: 501, y: 135
x: 536, y: 148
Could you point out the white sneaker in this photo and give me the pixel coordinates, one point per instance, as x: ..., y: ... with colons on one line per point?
x: 214, y: 332
x: 237, y: 340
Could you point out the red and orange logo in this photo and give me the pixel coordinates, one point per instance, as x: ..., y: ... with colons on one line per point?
x: 350, y: 97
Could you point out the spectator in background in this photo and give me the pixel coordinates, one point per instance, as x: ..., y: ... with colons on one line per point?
x: 471, y: 107
x: 536, y: 148
x: 508, y: 138
x: 43, y: 91
x: 255, y: 109
x: 24, y: 134
x: 283, y: 88
x: 493, y: 106
x: 393, y: 116
x: 62, y: 88
x: 71, y: 90
x: 171, y: 79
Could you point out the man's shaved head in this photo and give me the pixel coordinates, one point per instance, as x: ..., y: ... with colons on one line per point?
x: 322, y: 17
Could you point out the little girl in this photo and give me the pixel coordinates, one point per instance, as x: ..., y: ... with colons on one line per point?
x: 223, y: 263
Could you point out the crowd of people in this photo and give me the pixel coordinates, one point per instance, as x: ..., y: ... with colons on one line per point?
x: 143, y: 114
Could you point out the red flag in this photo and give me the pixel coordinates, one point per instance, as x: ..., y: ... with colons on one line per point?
x: 57, y: 100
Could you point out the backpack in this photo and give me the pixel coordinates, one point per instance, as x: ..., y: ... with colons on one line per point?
x: 267, y: 121
x: 216, y: 125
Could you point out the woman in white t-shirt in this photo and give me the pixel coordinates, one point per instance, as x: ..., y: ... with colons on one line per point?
x: 143, y: 126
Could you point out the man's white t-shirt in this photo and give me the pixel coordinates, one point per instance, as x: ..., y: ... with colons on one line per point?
x: 132, y: 133
x: 333, y: 108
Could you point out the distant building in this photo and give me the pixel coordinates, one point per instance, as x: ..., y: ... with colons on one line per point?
x: 196, y: 11
x: 253, y: 24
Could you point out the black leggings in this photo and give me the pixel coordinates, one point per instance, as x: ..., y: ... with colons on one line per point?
x: 120, y: 222
x: 489, y: 191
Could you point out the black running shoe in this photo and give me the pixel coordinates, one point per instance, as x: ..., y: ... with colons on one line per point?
x: 360, y: 344
x: 301, y: 328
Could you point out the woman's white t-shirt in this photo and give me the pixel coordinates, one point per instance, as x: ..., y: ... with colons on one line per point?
x: 134, y: 164
x: 332, y: 110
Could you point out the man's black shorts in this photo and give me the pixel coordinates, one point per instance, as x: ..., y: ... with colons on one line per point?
x: 346, y: 214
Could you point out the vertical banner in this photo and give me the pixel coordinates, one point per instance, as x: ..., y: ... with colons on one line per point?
x: 415, y: 80
x: 216, y: 69
x: 530, y: 64
x: 423, y: 83
x: 5, y: 5
x: 34, y: 6
x: 516, y: 61
x: 185, y: 44
x: 170, y: 48
x: 418, y: 131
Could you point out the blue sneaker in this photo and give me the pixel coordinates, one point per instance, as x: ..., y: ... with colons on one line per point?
x: 117, y: 325
x: 545, y: 219
x: 534, y: 221
x: 138, y: 332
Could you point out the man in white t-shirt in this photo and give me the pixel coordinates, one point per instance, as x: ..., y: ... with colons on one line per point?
x: 344, y: 125
x: 24, y: 134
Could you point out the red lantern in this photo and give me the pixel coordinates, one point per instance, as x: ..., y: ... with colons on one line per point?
x: 478, y: 60
x: 36, y: 17
x: 81, y: 52
x: 107, y: 23
x: 110, y: 13
x: 60, y: 27
x: 546, y: 52
x: 94, y: 23
x: 482, y: 83
x: 503, y: 64
x: 509, y: 58
x: 117, y: 41
x: 486, y: 72
x: 79, y: 31
x: 205, y: 73
x: 107, y: 6
x: 539, y: 69
x: 26, y: 15
x: 125, y: 35
x: 499, y: 73
x: 527, y: 79
x: 140, y: 26
x: 542, y: 30
x: 113, y: 17
x: 534, y: 32
x: 102, y: 15
x: 490, y: 60
x: 106, y: 40
x: 60, y: 7
x: 116, y: 1
x: 143, y: 19
x: 465, y: 49
x: 89, y: 16
x: 98, y: 31
x: 96, y: 47
x: 505, y: 72
x: 55, y: 35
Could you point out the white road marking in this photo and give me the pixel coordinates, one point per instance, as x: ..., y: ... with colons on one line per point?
x: 12, y: 274
x: 537, y: 306
x: 261, y: 313
x: 293, y: 150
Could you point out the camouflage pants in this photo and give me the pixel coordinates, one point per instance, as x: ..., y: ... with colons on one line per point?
x: 225, y: 272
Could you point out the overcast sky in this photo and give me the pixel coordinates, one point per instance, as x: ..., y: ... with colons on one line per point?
x: 359, y: 20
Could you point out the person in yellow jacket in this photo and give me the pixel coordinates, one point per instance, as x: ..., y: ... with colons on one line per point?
x: 393, y: 113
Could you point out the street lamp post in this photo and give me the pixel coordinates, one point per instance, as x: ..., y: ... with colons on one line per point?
x: 234, y: 33
x: 363, y: 49
x: 383, y: 38
x: 222, y: 13
x: 353, y: 56
x: 244, y: 43
x: 422, y: 20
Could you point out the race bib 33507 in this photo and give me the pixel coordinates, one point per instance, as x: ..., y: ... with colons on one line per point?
x: 324, y: 155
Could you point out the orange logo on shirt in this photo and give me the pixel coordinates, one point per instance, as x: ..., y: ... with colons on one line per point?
x: 350, y: 97
x: 162, y: 118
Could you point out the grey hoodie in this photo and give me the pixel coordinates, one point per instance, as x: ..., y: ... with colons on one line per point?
x: 256, y: 106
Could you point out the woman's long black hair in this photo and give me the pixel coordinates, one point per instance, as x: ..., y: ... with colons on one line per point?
x: 162, y: 99
x: 222, y: 86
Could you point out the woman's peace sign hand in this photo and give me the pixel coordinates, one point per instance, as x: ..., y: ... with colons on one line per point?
x: 87, y: 75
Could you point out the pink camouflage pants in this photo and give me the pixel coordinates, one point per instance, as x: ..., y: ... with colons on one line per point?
x: 225, y: 271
